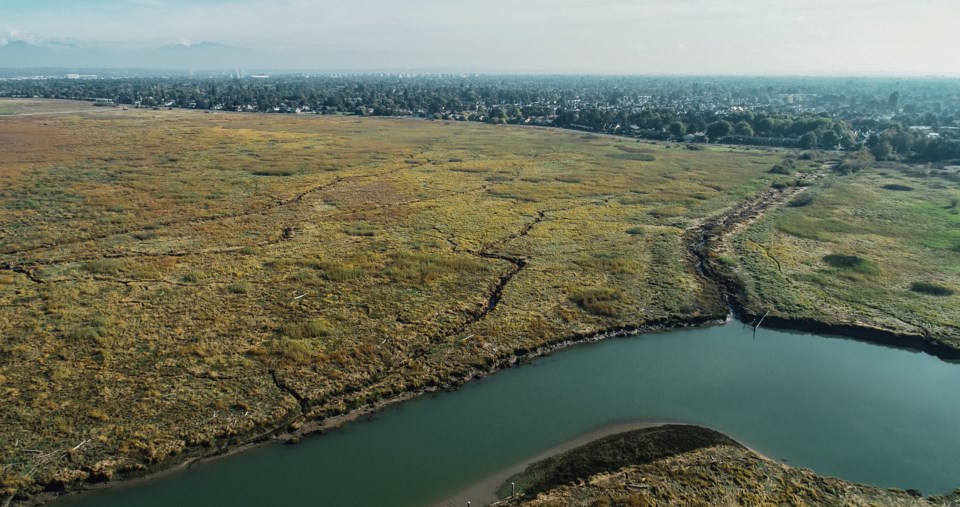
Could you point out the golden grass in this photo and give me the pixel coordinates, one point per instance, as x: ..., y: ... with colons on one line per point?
x: 188, y: 273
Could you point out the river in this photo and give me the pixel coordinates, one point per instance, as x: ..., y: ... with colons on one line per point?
x: 861, y: 412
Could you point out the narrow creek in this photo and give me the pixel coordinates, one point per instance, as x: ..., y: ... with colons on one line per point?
x: 844, y: 408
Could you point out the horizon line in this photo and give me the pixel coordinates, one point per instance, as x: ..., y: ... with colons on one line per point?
x: 287, y: 72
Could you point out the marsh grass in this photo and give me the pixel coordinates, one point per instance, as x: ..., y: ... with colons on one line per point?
x: 361, y: 229
x: 316, y: 328
x: 640, y: 157
x: 194, y: 276
x: 598, y: 300
x: 889, y: 240
x: 237, y: 288
x: 157, y: 221
x: 104, y: 266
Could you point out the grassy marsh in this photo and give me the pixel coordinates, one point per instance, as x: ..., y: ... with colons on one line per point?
x: 175, y: 281
x: 873, y: 248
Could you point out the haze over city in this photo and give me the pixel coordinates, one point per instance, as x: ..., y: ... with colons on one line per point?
x: 497, y: 36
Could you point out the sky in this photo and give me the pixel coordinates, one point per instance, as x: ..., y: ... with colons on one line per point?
x: 765, y: 37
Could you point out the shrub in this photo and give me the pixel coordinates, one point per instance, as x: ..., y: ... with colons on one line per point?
x: 780, y: 169
x: 901, y: 188
x: 98, y: 414
x: 273, y: 172
x: 642, y: 157
x: 598, y: 300
x: 854, y: 162
x: 931, y: 289
x: 335, y: 272
x: 303, y: 275
x: 842, y: 261
x: 238, y: 288
x: 630, y: 149
x: 86, y: 333
x: 304, y: 330
x: 851, y: 262
x: 145, y: 235
x: 193, y: 277
x: 606, y: 262
x: 361, y: 229
x: 635, y: 230
x: 104, y: 266
x: 293, y: 351
x: 726, y: 260
x: 801, y: 201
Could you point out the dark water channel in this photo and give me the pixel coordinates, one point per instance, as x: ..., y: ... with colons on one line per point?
x: 844, y: 408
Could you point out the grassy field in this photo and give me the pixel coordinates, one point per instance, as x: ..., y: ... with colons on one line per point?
x: 174, y: 281
x: 43, y: 106
x: 877, y: 248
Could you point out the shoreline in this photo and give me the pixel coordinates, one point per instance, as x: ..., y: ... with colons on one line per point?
x: 281, y: 435
x: 484, y: 492
x: 704, y: 239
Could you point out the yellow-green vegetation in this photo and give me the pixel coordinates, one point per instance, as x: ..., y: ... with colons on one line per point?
x: 876, y: 248
x: 677, y: 465
x: 173, y: 282
x: 42, y: 106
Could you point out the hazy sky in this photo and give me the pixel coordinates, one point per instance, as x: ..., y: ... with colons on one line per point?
x: 556, y: 36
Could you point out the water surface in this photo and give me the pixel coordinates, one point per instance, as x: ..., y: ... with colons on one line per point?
x: 862, y: 412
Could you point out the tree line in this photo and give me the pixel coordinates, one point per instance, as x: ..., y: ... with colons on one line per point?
x: 909, y: 119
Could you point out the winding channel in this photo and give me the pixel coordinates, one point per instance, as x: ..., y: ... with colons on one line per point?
x: 844, y: 408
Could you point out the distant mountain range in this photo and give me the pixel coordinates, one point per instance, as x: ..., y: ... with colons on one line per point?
x: 204, y: 55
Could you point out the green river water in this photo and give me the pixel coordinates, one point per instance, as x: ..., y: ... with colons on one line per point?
x: 861, y: 412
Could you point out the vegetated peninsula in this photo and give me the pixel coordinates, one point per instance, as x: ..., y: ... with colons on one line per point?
x: 684, y: 465
x: 174, y: 284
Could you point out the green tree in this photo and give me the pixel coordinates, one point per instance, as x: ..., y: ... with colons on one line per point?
x: 743, y: 128
x: 829, y: 139
x: 677, y: 129
x: 497, y: 115
x: 882, y: 150
x: 719, y: 129
x: 902, y: 141
x: 893, y: 101
x: 808, y: 140
x: 766, y: 126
